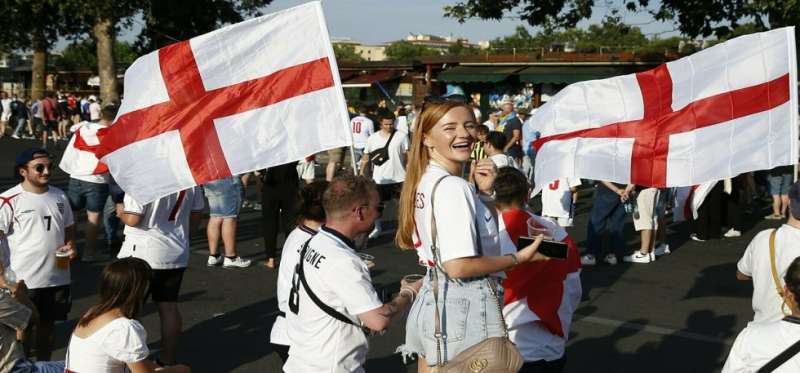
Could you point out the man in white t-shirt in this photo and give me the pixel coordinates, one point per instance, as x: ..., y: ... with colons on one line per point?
x: 558, y: 201
x: 90, y: 192
x: 495, y: 142
x: 755, y: 263
x: 158, y: 232
x: 94, y: 109
x: 5, y: 112
x: 332, y: 340
x: 362, y: 128
x: 390, y: 175
x: 36, y: 225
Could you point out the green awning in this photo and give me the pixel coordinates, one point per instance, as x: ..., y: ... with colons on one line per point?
x: 477, y: 74
x: 575, y: 73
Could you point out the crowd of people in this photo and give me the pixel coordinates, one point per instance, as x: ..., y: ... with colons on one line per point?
x: 462, y: 186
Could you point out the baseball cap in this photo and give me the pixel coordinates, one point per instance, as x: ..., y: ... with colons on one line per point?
x: 794, y: 200
x: 29, y: 155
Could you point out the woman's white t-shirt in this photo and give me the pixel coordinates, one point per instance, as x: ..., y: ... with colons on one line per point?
x: 759, y: 343
x: 109, y: 349
x: 458, y: 211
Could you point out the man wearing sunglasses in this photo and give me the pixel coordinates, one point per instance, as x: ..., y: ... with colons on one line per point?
x: 36, y: 225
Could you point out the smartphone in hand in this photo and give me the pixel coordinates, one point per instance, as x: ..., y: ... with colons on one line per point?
x: 548, y: 248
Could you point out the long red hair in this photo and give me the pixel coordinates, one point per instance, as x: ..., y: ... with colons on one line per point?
x: 418, y: 159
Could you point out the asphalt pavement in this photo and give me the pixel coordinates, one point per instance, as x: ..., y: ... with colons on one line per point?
x: 679, y: 314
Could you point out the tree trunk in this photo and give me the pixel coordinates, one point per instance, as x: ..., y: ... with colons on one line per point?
x: 104, y: 36
x: 39, y: 67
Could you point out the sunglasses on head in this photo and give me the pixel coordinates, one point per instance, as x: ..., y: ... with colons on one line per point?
x: 437, y: 100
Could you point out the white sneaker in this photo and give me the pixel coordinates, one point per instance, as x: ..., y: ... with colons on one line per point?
x: 662, y: 249
x: 694, y: 237
x: 610, y: 259
x: 214, y: 260
x: 375, y: 233
x: 237, y: 262
x: 15, y: 137
x: 588, y: 260
x: 731, y: 233
x: 638, y: 257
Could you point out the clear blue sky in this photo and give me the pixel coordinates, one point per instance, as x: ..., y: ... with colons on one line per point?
x: 379, y: 21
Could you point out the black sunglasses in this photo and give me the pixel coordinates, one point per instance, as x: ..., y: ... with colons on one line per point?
x: 41, y: 167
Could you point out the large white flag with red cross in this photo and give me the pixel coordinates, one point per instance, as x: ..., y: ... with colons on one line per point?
x: 79, y: 157
x: 720, y: 112
x: 251, y: 95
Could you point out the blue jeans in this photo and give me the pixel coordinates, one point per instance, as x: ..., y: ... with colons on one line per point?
x: 20, y: 125
x: 84, y: 194
x: 224, y: 197
x: 469, y: 315
x: 27, y: 366
x: 608, y: 215
x: 779, y: 185
x: 110, y: 219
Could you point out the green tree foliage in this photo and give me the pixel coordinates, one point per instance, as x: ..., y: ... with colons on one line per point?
x: 550, y: 13
x: 346, y: 52
x: 460, y: 49
x: 176, y: 20
x: 403, y: 50
x: 82, y: 55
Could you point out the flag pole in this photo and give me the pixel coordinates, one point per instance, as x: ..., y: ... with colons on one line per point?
x: 353, y: 156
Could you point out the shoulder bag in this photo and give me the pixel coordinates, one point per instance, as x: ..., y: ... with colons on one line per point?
x: 324, y: 307
x: 493, y: 355
x: 380, y: 156
x: 774, y: 269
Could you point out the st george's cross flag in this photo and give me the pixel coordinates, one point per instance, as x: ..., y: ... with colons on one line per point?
x: 723, y: 111
x: 539, y: 298
x: 255, y: 94
x: 79, y: 157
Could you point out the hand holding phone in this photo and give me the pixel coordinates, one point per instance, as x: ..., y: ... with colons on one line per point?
x: 548, y: 248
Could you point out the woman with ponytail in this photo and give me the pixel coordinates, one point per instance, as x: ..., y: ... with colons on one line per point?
x: 437, y: 201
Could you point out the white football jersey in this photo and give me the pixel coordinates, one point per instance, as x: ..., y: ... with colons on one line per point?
x: 557, y: 198
x: 362, y: 128
x: 289, y: 258
x: 340, y: 279
x: 34, y: 226
x: 162, y: 237
x: 458, y: 211
x: 393, y: 170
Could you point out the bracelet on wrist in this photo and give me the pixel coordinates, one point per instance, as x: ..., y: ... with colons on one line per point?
x: 514, y: 258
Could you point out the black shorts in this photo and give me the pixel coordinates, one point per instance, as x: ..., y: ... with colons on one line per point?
x: 53, y: 303
x: 166, y: 284
x: 389, y: 191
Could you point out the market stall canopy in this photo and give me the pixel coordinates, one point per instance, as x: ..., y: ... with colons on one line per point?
x: 576, y: 73
x: 478, y: 74
x: 366, y: 79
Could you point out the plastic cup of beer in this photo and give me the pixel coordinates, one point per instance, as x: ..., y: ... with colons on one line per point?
x: 535, y: 228
x: 62, y: 259
x: 369, y: 260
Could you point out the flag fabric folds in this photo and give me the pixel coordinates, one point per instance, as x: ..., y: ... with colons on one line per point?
x: 255, y: 94
x: 79, y: 157
x: 723, y: 111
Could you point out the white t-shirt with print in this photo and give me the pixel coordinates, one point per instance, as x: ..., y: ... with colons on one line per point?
x: 362, y: 128
x: 34, y: 226
x: 109, y: 349
x: 94, y: 111
x: 340, y: 279
x: 759, y: 343
x: 289, y: 258
x: 557, y: 198
x: 162, y: 236
x: 394, y: 170
x: 457, y: 208
x: 756, y: 263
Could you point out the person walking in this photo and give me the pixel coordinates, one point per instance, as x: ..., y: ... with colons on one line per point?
x: 38, y: 231
x: 456, y: 239
x: 608, y: 215
x: 20, y: 113
x: 224, y: 201
x: 159, y: 233
x: 779, y: 180
x: 389, y: 173
x: 280, y: 185
x: 109, y: 338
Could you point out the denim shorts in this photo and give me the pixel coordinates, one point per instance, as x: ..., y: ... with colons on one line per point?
x: 469, y: 315
x: 84, y: 194
x: 224, y: 197
x: 779, y: 185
